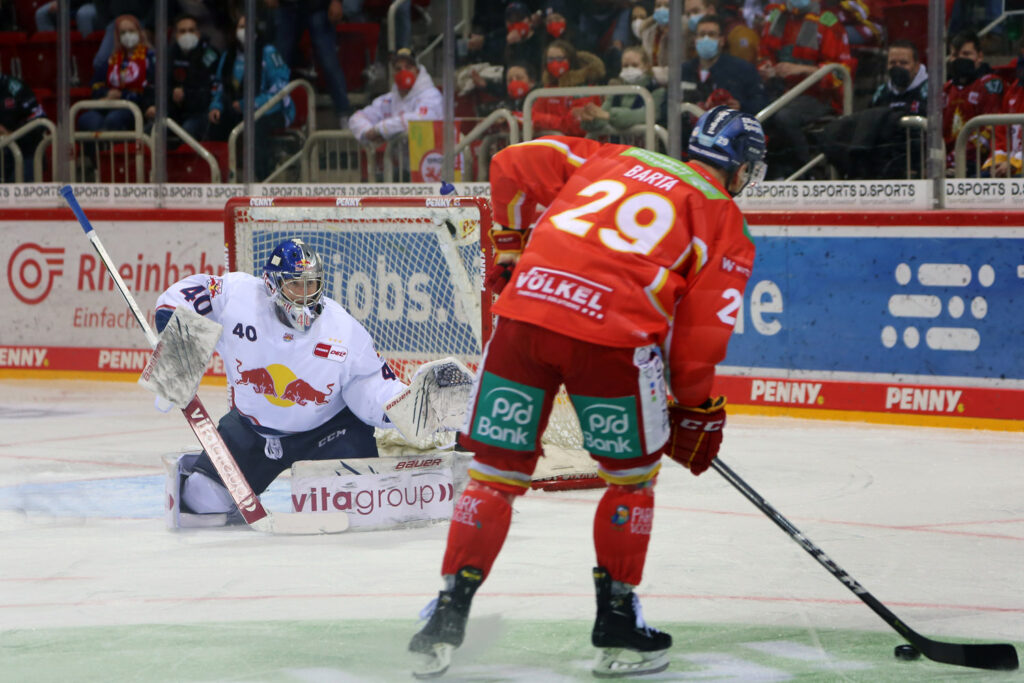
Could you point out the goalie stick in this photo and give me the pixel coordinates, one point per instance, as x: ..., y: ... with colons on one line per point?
x: 199, y: 420
x: 999, y: 656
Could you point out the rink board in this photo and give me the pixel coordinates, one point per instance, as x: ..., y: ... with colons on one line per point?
x: 911, y: 314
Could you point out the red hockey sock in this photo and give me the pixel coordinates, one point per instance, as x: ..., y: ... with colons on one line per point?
x: 622, y: 530
x: 479, y: 525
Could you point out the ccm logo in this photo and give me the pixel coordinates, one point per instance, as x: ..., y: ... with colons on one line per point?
x: 699, y: 426
x: 408, y: 464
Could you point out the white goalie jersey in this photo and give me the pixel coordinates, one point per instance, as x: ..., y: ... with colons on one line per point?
x: 283, y: 380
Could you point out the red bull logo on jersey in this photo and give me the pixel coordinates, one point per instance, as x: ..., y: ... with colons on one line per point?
x: 571, y: 291
x: 279, y: 385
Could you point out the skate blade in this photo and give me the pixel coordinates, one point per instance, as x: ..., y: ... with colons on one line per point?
x: 435, y: 663
x: 610, y: 665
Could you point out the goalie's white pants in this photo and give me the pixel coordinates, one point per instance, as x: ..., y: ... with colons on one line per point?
x: 203, y: 495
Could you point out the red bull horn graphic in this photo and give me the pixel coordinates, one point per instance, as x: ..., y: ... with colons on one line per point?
x: 279, y: 385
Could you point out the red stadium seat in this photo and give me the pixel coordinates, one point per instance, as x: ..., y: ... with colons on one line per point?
x: 185, y: 166
x: 907, y: 20
x: 301, y: 99
x: 117, y: 164
x: 9, y: 42
x: 25, y: 13
x: 38, y: 59
x: 357, y: 49
x: 83, y: 50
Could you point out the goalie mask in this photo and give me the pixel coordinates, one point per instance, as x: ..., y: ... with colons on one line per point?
x: 294, y: 276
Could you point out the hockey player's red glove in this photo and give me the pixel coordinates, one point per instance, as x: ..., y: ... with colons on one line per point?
x: 508, y: 247
x: 498, y: 276
x: 696, y: 434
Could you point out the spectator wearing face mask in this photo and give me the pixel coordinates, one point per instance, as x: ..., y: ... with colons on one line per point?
x: 601, y: 27
x: 741, y: 41
x: 797, y: 39
x: 192, y: 65
x: 972, y: 90
x: 413, y: 96
x: 226, y: 103
x: 721, y: 78
x: 565, y: 67
x: 523, y: 37
x: 871, y: 143
x: 129, y: 74
x: 652, y: 32
x: 108, y: 13
x: 519, y: 81
x: 1008, y: 148
x: 620, y: 112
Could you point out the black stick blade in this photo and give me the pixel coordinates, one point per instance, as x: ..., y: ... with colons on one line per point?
x: 997, y: 657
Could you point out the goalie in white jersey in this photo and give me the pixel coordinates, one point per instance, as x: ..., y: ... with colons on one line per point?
x: 305, y: 380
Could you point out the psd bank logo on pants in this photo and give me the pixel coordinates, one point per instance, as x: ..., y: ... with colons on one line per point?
x: 609, y: 425
x: 507, y: 413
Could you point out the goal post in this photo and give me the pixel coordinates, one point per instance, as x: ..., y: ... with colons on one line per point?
x: 409, y: 269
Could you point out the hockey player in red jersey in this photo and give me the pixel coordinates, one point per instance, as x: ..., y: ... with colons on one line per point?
x: 632, y: 278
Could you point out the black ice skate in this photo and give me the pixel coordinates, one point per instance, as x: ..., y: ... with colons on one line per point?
x: 446, y: 626
x: 620, y: 626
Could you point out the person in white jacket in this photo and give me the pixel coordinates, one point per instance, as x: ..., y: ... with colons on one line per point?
x: 413, y: 96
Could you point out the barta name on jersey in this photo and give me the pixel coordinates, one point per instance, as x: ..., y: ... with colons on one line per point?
x: 660, y: 181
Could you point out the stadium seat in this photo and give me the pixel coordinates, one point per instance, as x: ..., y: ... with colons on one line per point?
x: 25, y: 13
x: 83, y: 50
x: 117, y: 164
x: 301, y: 99
x: 38, y: 59
x: 357, y: 49
x: 907, y: 20
x: 185, y: 166
x: 9, y: 42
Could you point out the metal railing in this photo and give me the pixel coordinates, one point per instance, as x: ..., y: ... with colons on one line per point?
x: 590, y: 91
x: 488, y: 140
x: 963, y: 138
x: 310, y: 128
x: 101, y: 138
x: 911, y: 124
x: 799, y: 89
x: 10, y: 142
x: 321, y: 148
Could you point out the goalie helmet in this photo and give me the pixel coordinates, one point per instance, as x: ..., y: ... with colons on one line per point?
x: 727, y: 139
x: 294, y: 276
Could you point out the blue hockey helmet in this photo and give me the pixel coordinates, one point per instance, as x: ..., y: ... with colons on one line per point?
x: 294, y: 276
x: 727, y: 139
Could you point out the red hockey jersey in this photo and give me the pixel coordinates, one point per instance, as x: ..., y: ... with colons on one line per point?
x: 634, y: 248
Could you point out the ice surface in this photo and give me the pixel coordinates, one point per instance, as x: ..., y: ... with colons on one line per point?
x: 93, y: 587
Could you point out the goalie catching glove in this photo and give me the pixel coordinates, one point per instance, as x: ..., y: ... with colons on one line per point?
x: 435, y: 400
x: 696, y: 433
x: 508, y: 247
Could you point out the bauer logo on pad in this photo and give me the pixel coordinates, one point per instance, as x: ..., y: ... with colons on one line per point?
x: 335, y: 353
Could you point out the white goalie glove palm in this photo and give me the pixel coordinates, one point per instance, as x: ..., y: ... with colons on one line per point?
x: 436, y: 400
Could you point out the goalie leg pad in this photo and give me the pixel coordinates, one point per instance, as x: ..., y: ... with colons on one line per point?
x: 622, y: 530
x: 180, y: 467
x: 478, y: 529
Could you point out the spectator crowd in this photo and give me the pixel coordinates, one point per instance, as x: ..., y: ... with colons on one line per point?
x: 745, y: 55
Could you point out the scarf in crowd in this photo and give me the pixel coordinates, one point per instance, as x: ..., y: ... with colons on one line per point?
x: 127, y: 72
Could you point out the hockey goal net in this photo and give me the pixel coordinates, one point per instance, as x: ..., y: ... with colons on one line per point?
x: 410, y: 269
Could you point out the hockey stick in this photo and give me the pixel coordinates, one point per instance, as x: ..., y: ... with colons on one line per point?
x: 997, y: 656
x: 199, y: 420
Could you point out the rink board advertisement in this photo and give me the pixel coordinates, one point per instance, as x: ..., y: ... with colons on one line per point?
x: 908, y: 319
x: 911, y: 313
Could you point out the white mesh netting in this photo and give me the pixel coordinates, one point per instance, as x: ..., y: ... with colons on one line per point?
x: 412, y: 275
